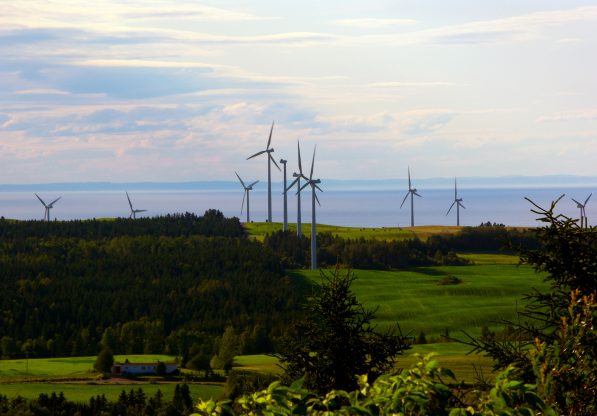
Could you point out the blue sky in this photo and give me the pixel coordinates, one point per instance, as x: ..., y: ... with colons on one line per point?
x: 186, y: 90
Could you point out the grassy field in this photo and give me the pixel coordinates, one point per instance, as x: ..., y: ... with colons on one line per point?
x: 69, y: 367
x: 258, y: 230
x: 82, y: 392
x: 413, y: 298
x: 450, y: 355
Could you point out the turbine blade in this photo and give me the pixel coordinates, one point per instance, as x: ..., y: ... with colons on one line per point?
x: 317, y: 199
x: 409, y: 186
x: 41, y: 200
x: 455, y: 191
x: 577, y: 203
x: 242, y: 205
x: 54, y: 201
x: 303, y: 187
x: 270, y: 136
x: 241, y: 181
x: 130, y: 203
x: 257, y: 154
x: 312, y: 162
x: 252, y: 184
x: 460, y: 203
x: 140, y: 210
x: 417, y: 194
x: 589, y: 197
x: 272, y: 159
x: 318, y: 188
x: 292, y: 184
x: 404, y: 200
x: 298, y: 144
x: 450, y: 209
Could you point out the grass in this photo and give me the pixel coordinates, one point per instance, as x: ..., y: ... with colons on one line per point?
x: 489, y: 293
x: 490, y: 258
x: 450, y: 355
x: 258, y: 230
x: 82, y: 392
x: 68, y: 367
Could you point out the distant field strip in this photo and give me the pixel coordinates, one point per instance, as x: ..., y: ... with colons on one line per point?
x: 76, y: 367
x: 258, y: 230
x: 82, y: 392
x: 413, y: 298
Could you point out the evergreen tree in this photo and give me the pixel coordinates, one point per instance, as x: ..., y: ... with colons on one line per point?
x: 336, y: 341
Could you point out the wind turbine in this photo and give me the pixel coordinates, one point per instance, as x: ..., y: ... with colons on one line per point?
x: 269, y: 151
x: 314, y: 185
x: 297, y: 181
x: 458, y: 203
x: 48, y: 207
x: 411, y: 191
x: 285, y: 225
x: 246, y: 193
x: 583, y: 214
x: 134, y: 212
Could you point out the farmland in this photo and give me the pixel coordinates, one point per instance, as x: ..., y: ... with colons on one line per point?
x: 414, y: 299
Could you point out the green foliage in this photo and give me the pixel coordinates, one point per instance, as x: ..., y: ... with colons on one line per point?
x: 566, y: 370
x: 336, y: 339
x: 104, y: 361
x: 558, y: 329
x: 419, y: 390
x: 64, y: 295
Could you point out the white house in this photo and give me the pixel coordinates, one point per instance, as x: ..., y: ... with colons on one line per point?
x: 134, y: 369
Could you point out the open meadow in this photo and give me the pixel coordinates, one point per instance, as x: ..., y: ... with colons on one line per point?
x: 415, y: 299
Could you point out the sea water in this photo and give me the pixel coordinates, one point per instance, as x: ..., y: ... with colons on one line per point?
x: 358, y: 208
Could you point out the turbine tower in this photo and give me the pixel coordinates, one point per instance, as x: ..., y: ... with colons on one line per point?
x: 297, y: 181
x: 134, y: 212
x: 246, y: 193
x: 47, y: 207
x: 285, y: 225
x: 411, y: 191
x: 584, y: 223
x: 314, y: 185
x: 270, y: 158
x: 458, y: 203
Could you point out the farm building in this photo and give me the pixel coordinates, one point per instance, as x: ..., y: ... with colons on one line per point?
x: 135, y: 369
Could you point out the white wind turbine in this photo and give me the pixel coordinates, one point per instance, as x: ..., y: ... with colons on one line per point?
x: 297, y: 181
x: 458, y: 203
x: 47, y: 207
x: 270, y: 158
x: 245, y: 194
x: 134, y: 212
x: 583, y: 214
x: 411, y: 191
x: 314, y: 185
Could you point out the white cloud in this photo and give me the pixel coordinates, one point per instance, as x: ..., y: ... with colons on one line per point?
x: 373, y: 23
x: 573, y: 115
x: 408, y: 84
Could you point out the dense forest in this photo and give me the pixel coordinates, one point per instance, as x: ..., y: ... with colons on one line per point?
x: 155, y: 290
x: 178, y: 284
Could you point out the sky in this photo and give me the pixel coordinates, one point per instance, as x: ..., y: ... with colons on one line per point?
x: 186, y: 90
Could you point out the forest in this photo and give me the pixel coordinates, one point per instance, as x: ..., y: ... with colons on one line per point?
x: 174, y: 284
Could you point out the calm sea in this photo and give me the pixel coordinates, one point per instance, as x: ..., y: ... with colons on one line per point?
x: 348, y: 208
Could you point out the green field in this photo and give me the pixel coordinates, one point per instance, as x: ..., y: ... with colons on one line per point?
x: 63, y: 368
x: 258, y: 230
x: 413, y: 298
x: 82, y: 392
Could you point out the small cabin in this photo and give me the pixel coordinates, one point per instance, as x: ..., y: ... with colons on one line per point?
x: 138, y: 369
